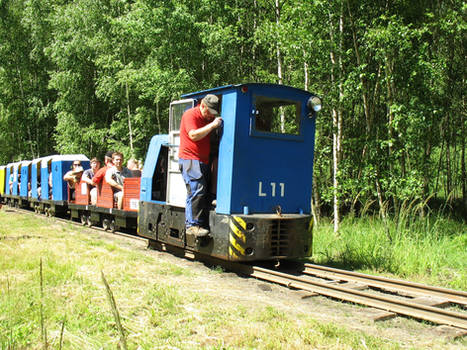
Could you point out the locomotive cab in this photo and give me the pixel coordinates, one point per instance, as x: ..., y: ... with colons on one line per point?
x: 261, y: 175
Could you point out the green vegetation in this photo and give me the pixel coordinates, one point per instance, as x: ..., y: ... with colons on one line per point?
x: 431, y: 249
x: 159, y: 305
x: 85, y: 76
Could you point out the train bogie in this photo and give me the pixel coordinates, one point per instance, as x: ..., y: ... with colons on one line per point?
x: 232, y: 237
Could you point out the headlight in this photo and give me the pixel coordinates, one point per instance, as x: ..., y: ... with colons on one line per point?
x: 314, y: 104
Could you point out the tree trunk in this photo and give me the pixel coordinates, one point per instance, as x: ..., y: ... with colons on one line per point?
x: 130, y: 131
x: 366, y: 104
x: 336, y: 117
x: 463, y: 171
x: 277, y: 11
x: 391, y: 92
x: 305, y: 71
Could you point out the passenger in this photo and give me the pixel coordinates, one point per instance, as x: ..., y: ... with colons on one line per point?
x: 87, y: 177
x: 195, y: 127
x: 49, y: 167
x: 73, y: 177
x: 29, y: 182
x: 134, y: 167
x: 115, y: 176
x: 100, y: 174
x: 10, y: 182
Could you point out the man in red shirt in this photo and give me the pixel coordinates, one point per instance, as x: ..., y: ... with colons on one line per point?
x: 100, y: 174
x: 195, y: 127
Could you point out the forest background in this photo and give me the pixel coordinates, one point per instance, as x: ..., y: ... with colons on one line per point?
x: 85, y: 76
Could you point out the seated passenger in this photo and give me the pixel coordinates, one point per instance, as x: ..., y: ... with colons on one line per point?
x: 19, y: 183
x: 73, y: 177
x: 100, y: 174
x: 10, y: 183
x: 49, y: 166
x: 133, y: 165
x: 115, y: 175
x: 88, y: 176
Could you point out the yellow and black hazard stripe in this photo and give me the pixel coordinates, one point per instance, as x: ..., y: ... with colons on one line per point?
x: 237, y: 239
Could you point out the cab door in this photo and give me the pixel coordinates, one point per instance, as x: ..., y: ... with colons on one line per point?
x: 176, y: 191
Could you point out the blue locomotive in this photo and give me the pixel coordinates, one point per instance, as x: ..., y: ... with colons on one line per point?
x: 261, y: 179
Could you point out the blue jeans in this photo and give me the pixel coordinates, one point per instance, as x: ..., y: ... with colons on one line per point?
x: 195, y: 174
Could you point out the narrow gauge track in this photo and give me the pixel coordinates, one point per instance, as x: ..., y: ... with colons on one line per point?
x: 390, y: 303
x: 340, y: 284
x: 402, y: 287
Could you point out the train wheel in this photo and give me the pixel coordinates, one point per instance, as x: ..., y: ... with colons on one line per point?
x: 112, y: 226
x: 83, y: 219
x: 88, y: 221
x: 105, y: 224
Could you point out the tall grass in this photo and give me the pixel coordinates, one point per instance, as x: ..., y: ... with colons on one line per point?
x: 431, y: 248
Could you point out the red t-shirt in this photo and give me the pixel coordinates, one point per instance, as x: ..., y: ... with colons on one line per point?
x: 97, y: 178
x: 192, y: 119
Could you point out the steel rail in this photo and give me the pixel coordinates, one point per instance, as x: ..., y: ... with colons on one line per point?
x: 389, y: 284
x: 387, y: 303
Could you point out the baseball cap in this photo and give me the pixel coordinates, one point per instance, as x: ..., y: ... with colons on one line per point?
x: 212, y: 102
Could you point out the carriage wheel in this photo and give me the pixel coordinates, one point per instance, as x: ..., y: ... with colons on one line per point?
x: 112, y: 226
x: 105, y: 224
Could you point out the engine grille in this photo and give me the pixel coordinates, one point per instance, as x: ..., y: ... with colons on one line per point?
x: 280, y: 237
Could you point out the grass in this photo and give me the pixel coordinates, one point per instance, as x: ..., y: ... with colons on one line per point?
x: 432, y: 249
x: 159, y: 305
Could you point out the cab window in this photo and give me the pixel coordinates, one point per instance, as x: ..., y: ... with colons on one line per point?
x: 275, y: 115
x: 177, y: 109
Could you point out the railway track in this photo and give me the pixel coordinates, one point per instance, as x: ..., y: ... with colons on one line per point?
x: 395, y: 296
x: 327, y: 283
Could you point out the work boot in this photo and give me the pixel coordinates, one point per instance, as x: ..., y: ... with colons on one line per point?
x: 197, y: 231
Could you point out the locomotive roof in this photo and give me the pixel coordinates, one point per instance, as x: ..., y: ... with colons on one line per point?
x: 234, y: 86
